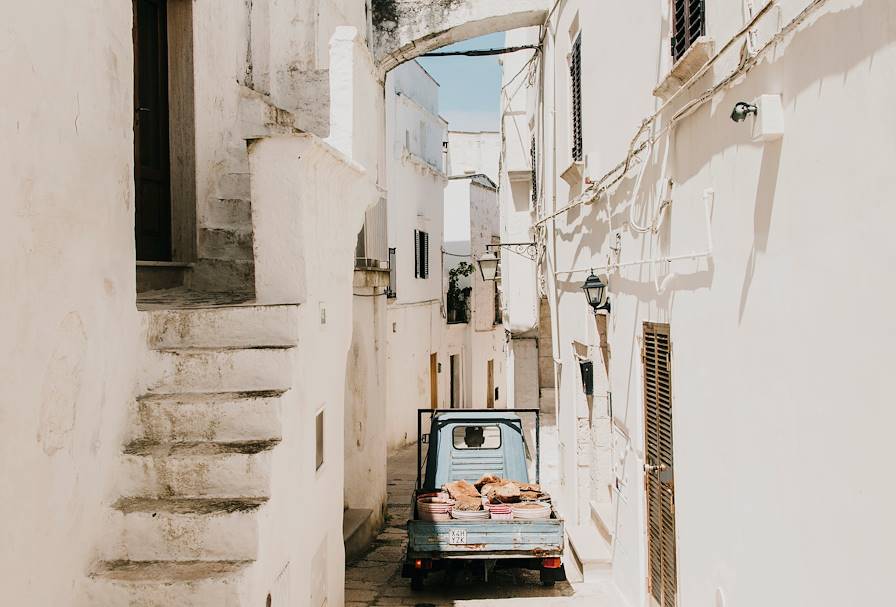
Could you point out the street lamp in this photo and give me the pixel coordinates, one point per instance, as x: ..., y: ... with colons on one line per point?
x: 488, y: 266
x: 596, y: 293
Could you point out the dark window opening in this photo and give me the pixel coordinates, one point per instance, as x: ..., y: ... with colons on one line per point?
x: 688, y: 24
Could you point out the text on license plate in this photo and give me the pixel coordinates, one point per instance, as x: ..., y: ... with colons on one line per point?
x: 457, y: 536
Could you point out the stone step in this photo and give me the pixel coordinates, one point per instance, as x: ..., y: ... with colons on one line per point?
x: 222, y: 327
x: 151, y: 529
x: 228, y: 213
x: 234, y: 185
x: 178, y: 371
x: 167, y: 584
x: 225, y: 243
x: 197, y: 470
x: 216, y: 275
x: 593, y: 556
x: 218, y: 417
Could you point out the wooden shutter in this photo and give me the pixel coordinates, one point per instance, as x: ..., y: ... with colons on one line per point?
x: 656, y: 356
x: 688, y: 24
x: 424, y: 254
x: 417, y: 254
x: 575, y: 69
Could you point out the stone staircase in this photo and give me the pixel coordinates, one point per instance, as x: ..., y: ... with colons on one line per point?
x: 196, y: 464
x: 224, y: 241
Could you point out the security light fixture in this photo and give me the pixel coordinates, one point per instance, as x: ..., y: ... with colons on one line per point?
x: 488, y: 266
x: 741, y: 110
x: 596, y: 293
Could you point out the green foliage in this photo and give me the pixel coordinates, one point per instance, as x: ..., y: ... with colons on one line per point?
x: 457, y: 297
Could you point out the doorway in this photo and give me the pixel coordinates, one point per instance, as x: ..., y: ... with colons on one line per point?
x: 659, y: 480
x: 490, y: 396
x: 152, y: 174
x: 454, y: 361
x: 434, y: 381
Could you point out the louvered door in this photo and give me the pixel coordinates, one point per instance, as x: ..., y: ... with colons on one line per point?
x: 656, y: 357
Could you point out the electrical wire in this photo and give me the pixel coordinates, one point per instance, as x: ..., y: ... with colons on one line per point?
x: 618, y: 173
x: 482, y: 52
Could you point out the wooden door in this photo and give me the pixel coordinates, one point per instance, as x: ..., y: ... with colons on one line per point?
x: 152, y: 177
x: 433, y: 381
x: 659, y: 480
x: 490, y: 397
x: 454, y: 380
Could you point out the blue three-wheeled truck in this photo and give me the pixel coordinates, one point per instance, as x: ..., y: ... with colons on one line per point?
x: 468, y: 445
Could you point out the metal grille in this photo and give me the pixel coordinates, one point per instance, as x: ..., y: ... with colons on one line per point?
x: 659, y: 480
x: 575, y: 69
x: 534, y: 156
x: 688, y: 24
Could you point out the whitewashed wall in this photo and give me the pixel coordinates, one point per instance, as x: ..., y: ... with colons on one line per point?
x: 69, y: 325
x: 773, y: 383
x: 416, y: 182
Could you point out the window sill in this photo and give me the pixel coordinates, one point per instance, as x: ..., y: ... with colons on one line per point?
x: 687, y: 65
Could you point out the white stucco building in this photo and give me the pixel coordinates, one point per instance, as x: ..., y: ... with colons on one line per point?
x: 475, y: 332
x: 416, y: 181
x: 746, y: 263
x: 180, y: 446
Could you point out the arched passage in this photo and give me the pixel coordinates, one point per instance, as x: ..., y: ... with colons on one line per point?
x: 406, y: 29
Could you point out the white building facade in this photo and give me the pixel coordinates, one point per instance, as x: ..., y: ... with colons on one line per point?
x: 416, y: 182
x: 476, y: 335
x: 709, y: 461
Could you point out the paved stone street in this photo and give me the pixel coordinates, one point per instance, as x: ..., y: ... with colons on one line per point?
x: 375, y: 579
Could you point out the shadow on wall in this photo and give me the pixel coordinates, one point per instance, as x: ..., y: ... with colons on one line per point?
x: 762, y: 216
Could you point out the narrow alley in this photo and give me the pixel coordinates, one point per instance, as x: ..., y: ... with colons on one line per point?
x: 256, y: 252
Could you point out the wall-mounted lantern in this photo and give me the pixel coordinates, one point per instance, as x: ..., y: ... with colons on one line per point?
x: 488, y: 266
x: 596, y: 293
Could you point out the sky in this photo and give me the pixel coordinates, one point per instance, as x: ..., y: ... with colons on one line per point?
x: 470, y: 87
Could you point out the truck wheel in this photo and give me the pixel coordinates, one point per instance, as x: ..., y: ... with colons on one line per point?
x: 548, y: 583
x: 417, y: 583
x: 548, y: 580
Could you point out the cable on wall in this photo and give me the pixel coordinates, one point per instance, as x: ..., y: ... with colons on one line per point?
x: 618, y: 173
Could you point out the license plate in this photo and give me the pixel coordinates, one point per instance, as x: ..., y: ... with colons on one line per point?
x: 457, y: 536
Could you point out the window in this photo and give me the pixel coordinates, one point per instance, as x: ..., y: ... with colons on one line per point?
x: 534, y: 158
x: 688, y: 24
x: 476, y: 437
x: 499, y: 316
x: 319, y: 440
x: 575, y: 69
x: 391, y: 290
x: 421, y: 254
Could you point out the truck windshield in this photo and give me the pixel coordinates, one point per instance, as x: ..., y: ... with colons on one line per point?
x: 477, y: 437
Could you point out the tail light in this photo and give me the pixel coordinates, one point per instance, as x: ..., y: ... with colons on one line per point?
x: 423, y: 564
x: 551, y: 563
